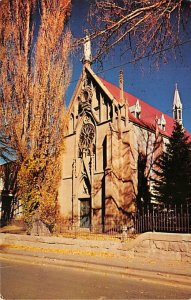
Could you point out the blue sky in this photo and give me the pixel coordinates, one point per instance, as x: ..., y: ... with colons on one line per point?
x: 144, y: 80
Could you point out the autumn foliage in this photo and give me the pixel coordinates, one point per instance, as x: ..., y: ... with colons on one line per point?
x: 34, y: 74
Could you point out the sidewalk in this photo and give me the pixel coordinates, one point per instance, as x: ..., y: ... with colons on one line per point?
x: 34, y: 249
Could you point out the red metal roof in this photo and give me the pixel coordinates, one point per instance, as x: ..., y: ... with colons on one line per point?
x: 148, y: 113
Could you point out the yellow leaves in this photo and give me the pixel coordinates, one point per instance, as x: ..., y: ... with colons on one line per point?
x: 57, y: 250
x: 48, y: 208
x: 38, y: 81
x: 35, y: 74
x: 38, y: 179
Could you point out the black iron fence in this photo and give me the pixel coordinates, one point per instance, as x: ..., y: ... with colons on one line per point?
x: 98, y: 231
x: 175, y: 219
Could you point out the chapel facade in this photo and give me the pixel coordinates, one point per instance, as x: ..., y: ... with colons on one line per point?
x: 108, y: 131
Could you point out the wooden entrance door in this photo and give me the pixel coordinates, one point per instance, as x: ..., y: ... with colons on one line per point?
x: 85, y: 213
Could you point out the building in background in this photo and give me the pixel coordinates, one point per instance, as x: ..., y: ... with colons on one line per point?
x: 9, y: 205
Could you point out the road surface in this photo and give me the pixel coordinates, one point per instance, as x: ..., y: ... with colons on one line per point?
x: 25, y: 280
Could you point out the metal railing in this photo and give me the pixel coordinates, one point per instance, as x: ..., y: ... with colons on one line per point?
x: 98, y: 231
x: 175, y: 219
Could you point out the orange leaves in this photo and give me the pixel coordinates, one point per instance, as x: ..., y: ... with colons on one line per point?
x: 35, y: 74
x: 34, y: 66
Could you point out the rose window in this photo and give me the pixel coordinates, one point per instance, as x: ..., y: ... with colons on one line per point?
x: 87, y: 136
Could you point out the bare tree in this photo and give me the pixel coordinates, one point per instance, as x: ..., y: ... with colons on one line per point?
x: 142, y: 27
x: 34, y: 74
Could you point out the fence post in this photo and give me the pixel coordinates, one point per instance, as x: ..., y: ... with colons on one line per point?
x: 188, y: 217
x: 124, y: 233
x: 182, y: 223
x: 175, y: 218
x: 148, y: 221
x: 75, y: 231
x: 153, y: 220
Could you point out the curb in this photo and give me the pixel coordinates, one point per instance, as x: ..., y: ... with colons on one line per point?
x: 176, y: 280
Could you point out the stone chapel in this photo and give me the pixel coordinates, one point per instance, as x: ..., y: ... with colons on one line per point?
x: 108, y: 129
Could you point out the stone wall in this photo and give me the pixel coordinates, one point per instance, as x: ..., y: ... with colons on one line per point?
x: 159, y: 246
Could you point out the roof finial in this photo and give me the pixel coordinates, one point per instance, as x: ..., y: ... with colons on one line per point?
x: 87, y: 50
x: 121, y: 87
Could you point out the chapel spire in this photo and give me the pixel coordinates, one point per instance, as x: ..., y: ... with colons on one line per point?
x: 177, y: 106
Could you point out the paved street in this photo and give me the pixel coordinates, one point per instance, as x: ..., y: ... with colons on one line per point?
x: 24, y: 280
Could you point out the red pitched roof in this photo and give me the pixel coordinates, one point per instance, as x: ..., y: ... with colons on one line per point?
x: 148, y: 113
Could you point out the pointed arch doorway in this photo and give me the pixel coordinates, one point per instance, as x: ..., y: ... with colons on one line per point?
x: 85, y: 212
x: 84, y: 196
